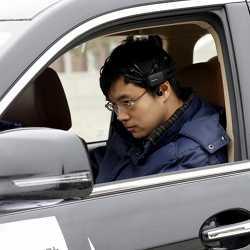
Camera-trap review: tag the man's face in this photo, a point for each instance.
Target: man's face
(147, 112)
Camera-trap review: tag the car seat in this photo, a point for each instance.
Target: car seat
(41, 104)
(205, 79)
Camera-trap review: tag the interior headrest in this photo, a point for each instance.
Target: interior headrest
(205, 79)
(41, 104)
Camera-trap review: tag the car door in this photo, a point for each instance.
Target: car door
(180, 210)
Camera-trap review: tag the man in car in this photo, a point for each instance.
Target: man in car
(157, 125)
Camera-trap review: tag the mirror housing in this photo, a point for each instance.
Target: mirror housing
(43, 163)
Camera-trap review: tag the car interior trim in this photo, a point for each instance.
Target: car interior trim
(229, 125)
(94, 23)
(170, 179)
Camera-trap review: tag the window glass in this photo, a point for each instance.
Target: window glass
(204, 49)
(79, 70)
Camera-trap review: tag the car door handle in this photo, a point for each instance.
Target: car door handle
(221, 232)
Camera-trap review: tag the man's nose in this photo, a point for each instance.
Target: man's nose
(122, 115)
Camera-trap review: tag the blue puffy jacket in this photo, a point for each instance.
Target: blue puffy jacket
(196, 139)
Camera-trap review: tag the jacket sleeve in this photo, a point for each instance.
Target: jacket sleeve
(96, 156)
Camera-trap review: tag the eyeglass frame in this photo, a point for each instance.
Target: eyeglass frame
(126, 105)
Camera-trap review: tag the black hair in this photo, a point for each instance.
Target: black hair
(142, 62)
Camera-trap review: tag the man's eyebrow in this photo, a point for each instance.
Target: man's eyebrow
(124, 96)
(121, 97)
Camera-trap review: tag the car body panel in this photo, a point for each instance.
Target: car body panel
(144, 219)
(23, 10)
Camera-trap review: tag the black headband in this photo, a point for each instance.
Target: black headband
(160, 77)
(136, 75)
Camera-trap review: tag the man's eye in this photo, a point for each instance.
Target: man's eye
(126, 102)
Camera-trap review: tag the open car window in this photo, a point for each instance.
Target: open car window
(79, 71)
(202, 69)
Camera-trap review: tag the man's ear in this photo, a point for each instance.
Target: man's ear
(164, 90)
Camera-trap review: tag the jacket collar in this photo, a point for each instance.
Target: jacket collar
(165, 133)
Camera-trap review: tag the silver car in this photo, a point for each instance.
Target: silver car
(53, 116)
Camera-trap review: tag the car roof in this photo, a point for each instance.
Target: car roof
(27, 9)
(23, 10)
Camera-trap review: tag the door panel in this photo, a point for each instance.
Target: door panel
(167, 216)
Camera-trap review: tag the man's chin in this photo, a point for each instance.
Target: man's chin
(138, 135)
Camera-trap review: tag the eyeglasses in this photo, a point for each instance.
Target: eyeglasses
(125, 104)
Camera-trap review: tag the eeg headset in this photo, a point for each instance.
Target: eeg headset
(136, 75)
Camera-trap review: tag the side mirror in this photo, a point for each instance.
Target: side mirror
(43, 164)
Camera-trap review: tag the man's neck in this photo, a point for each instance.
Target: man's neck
(172, 105)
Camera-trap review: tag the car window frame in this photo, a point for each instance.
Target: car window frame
(168, 179)
(97, 27)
